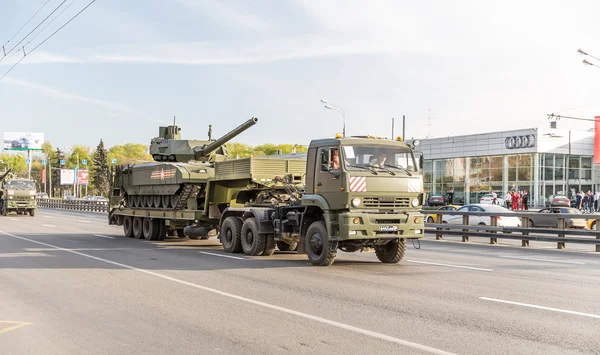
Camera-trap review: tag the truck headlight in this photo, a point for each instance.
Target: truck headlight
(415, 202)
(356, 202)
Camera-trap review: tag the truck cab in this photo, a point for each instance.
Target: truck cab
(18, 195)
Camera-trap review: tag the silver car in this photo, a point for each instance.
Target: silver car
(548, 217)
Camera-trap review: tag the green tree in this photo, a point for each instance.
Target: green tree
(129, 153)
(16, 161)
(100, 177)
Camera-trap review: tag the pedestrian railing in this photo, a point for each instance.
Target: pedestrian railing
(526, 233)
(77, 205)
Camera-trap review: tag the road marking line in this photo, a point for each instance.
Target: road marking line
(47, 217)
(12, 219)
(449, 265)
(16, 326)
(251, 301)
(80, 221)
(222, 255)
(103, 236)
(545, 260)
(541, 307)
(47, 225)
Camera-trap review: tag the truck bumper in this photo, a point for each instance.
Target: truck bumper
(19, 206)
(357, 225)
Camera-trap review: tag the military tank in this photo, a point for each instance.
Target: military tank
(177, 178)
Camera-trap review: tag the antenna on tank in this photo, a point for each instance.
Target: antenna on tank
(173, 120)
(209, 132)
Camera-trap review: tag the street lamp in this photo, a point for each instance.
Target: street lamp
(585, 61)
(339, 109)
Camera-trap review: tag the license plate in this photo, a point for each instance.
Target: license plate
(388, 228)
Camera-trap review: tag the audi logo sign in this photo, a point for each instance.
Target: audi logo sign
(516, 142)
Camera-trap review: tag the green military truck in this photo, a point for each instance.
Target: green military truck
(17, 195)
(359, 193)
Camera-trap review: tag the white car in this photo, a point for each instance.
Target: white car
(483, 220)
(489, 199)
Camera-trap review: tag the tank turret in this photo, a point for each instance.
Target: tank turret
(169, 147)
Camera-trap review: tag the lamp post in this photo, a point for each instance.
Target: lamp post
(75, 183)
(336, 108)
(585, 61)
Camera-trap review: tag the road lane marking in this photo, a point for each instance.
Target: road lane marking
(47, 225)
(449, 265)
(16, 325)
(254, 302)
(47, 217)
(223, 255)
(12, 219)
(544, 260)
(80, 221)
(541, 307)
(103, 236)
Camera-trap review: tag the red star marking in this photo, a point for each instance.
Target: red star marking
(162, 174)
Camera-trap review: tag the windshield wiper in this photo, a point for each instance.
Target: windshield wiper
(363, 167)
(399, 167)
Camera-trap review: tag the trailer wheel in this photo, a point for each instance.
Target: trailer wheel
(253, 243)
(137, 228)
(320, 250)
(128, 226)
(162, 230)
(269, 245)
(230, 234)
(150, 229)
(392, 252)
(283, 246)
(32, 213)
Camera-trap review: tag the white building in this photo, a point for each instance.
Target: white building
(543, 161)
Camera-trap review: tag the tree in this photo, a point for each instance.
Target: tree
(100, 177)
(129, 153)
(16, 161)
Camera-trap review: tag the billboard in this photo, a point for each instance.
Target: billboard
(83, 177)
(23, 141)
(67, 176)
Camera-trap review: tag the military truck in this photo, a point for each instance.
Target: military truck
(360, 193)
(17, 195)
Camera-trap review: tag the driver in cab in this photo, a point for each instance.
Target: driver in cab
(379, 161)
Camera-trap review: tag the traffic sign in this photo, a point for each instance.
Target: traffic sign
(76, 174)
(44, 162)
(62, 162)
(84, 162)
(28, 161)
(114, 161)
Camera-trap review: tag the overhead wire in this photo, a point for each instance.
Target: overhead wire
(16, 33)
(44, 20)
(47, 38)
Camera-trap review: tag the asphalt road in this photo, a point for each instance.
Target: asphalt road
(71, 284)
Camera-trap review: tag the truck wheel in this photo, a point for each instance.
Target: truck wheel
(320, 250)
(150, 228)
(283, 246)
(137, 228)
(231, 231)
(32, 213)
(269, 245)
(392, 252)
(162, 230)
(128, 226)
(253, 243)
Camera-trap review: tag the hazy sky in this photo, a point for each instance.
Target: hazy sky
(122, 68)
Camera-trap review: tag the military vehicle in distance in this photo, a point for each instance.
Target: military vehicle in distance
(17, 195)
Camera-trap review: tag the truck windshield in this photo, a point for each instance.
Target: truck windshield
(359, 157)
(21, 184)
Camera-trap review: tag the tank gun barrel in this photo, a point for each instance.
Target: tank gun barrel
(209, 148)
(2, 176)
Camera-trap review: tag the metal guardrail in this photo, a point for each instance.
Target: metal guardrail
(76, 205)
(494, 232)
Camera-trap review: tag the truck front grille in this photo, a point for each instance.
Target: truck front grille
(378, 202)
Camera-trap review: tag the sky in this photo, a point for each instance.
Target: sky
(123, 68)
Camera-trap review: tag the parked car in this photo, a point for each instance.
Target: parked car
(431, 218)
(99, 198)
(436, 200)
(548, 217)
(591, 223)
(41, 195)
(559, 200)
(484, 220)
(489, 199)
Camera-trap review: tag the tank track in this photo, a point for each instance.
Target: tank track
(188, 191)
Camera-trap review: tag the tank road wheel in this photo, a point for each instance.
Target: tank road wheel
(283, 246)
(253, 243)
(269, 245)
(128, 226)
(173, 199)
(139, 201)
(392, 252)
(320, 250)
(32, 213)
(150, 228)
(138, 231)
(230, 234)
(156, 201)
(165, 201)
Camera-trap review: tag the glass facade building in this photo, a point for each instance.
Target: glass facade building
(545, 162)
